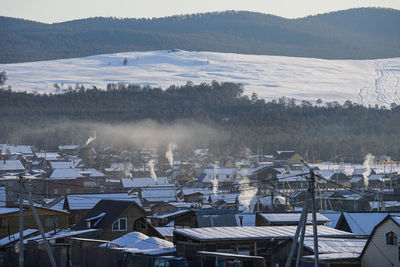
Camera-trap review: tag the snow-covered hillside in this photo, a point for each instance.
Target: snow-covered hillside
(363, 81)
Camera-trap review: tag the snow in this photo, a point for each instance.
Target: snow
(5, 210)
(364, 222)
(142, 182)
(291, 217)
(259, 232)
(74, 173)
(62, 164)
(48, 155)
(136, 242)
(60, 233)
(166, 231)
(88, 201)
(4, 149)
(333, 217)
(179, 212)
(11, 165)
(335, 245)
(14, 237)
(362, 81)
(159, 193)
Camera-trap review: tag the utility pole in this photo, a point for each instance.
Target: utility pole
(303, 222)
(39, 224)
(21, 223)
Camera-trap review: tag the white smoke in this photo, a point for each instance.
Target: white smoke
(368, 161)
(91, 139)
(150, 164)
(247, 192)
(170, 153)
(214, 181)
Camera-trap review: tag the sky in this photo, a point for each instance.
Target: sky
(50, 11)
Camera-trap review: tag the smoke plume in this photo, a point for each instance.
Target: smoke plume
(247, 192)
(150, 164)
(214, 181)
(91, 139)
(368, 161)
(170, 153)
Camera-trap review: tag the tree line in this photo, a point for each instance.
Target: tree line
(327, 131)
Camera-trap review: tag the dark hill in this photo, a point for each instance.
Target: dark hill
(351, 34)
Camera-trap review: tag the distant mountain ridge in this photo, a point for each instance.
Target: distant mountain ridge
(363, 33)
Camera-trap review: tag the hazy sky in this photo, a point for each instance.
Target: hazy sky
(62, 10)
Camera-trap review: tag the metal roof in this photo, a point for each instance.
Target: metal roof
(255, 233)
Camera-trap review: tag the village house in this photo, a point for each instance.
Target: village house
(49, 218)
(79, 204)
(116, 218)
(382, 248)
(271, 242)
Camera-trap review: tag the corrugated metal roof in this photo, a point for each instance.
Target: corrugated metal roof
(291, 217)
(255, 233)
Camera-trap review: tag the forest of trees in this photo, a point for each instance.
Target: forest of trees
(325, 131)
(362, 33)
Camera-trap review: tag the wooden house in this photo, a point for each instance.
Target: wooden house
(116, 218)
(49, 218)
(382, 248)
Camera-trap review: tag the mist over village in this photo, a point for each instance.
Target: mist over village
(240, 134)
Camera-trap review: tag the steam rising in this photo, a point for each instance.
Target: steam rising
(214, 181)
(247, 192)
(368, 161)
(150, 164)
(170, 153)
(91, 139)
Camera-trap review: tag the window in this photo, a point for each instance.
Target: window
(68, 191)
(391, 239)
(120, 225)
(3, 222)
(140, 225)
(55, 191)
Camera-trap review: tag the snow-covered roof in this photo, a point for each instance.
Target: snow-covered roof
(284, 218)
(6, 210)
(362, 223)
(172, 214)
(4, 149)
(60, 233)
(11, 165)
(139, 243)
(341, 256)
(255, 233)
(333, 217)
(68, 147)
(47, 155)
(15, 237)
(62, 164)
(167, 231)
(75, 173)
(142, 182)
(88, 201)
(158, 193)
(336, 245)
(65, 174)
(386, 204)
(248, 219)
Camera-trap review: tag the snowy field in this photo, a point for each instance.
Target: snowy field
(362, 81)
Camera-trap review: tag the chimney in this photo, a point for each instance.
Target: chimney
(241, 220)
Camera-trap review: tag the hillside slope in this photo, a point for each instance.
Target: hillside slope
(364, 33)
(367, 82)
